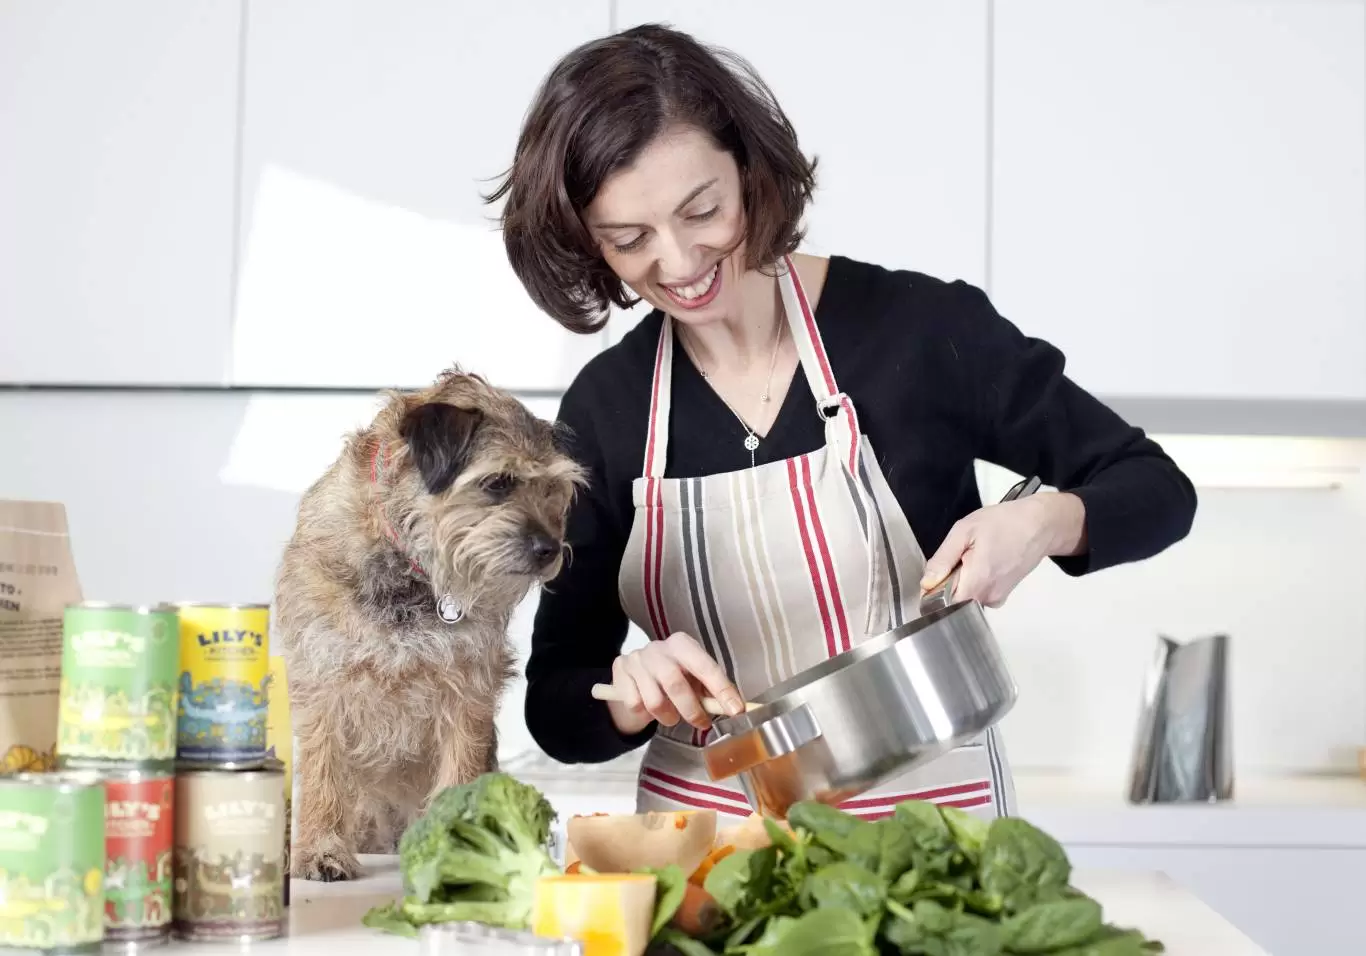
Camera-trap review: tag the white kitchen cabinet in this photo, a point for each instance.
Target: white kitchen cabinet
(1179, 196)
(117, 138)
(892, 98)
(371, 128)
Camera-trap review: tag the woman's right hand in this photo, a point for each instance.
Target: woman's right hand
(665, 681)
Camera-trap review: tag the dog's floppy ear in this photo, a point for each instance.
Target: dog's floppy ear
(439, 436)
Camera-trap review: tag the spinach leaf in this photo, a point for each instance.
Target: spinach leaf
(933, 851)
(845, 885)
(728, 879)
(1021, 864)
(969, 831)
(1045, 927)
(1113, 941)
(929, 929)
(821, 821)
(821, 932)
(779, 836)
(671, 886)
(672, 941)
(903, 890)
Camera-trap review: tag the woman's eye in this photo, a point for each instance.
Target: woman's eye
(631, 246)
(499, 484)
(704, 216)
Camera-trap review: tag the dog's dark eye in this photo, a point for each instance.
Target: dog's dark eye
(499, 485)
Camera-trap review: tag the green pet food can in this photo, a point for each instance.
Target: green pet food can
(120, 668)
(51, 863)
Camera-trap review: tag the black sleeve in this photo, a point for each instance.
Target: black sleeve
(579, 627)
(1034, 420)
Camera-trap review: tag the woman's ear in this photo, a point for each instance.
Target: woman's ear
(440, 438)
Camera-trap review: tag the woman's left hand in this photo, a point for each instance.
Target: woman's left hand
(1000, 544)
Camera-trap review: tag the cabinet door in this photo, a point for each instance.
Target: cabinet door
(891, 98)
(1180, 193)
(117, 143)
(371, 129)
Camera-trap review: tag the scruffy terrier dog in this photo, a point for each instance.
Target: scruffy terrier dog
(393, 601)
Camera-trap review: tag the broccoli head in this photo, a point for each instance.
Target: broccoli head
(476, 854)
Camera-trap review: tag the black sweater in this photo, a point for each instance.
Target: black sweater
(937, 377)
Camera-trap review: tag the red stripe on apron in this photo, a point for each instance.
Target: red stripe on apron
(648, 569)
(959, 804)
(835, 598)
(691, 800)
(976, 788)
(811, 565)
(673, 780)
(809, 321)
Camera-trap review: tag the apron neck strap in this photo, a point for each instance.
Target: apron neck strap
(832, 405)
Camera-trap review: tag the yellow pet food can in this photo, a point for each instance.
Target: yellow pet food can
(280, 745)
(224, 684)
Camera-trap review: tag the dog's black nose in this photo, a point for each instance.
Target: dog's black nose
(544, 549)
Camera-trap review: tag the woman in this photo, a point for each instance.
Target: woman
(751, 520)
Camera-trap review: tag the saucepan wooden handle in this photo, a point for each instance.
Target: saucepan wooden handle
(709, 704)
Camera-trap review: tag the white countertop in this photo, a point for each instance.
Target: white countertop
(1266, 811)
(324, 918)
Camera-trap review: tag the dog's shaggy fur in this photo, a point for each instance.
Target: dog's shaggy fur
(455, 490)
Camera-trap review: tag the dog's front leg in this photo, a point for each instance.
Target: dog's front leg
(326, 848)
(468, 751)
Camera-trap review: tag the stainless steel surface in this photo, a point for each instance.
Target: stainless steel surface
(941, 597)
(895, 702)
(1183, 750)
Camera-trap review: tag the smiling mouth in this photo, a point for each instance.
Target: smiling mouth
(698, 293)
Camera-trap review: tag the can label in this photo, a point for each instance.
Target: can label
(139, 824)
(229, 854)
(118, 685)
(51, 865)
(224, 678)
(280, 746)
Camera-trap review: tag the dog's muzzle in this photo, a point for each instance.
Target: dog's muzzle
(542, 550)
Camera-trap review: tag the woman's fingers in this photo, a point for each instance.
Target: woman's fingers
(679, 690)
(652, 695)
(701, 665)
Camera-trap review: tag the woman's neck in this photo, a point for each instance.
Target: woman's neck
(735, 344)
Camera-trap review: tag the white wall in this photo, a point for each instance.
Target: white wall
(285, 194)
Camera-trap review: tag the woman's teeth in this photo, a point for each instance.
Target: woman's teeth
(697, 289)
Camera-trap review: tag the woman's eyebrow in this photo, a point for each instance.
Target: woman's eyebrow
(697, 191)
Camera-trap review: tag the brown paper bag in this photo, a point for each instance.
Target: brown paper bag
(37, 580)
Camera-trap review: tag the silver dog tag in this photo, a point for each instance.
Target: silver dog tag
(449, 609)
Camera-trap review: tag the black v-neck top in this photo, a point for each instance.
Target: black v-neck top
(938, 379)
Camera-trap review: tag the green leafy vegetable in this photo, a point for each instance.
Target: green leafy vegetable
(671, 885)
(476, 854)
(1021, 864)
(1045, 927)
(845, 886)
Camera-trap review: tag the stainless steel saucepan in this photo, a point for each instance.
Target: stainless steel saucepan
(896, 701)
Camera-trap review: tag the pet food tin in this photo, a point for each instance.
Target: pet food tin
(139, 826)
(117, 700)
(224, 678)
(229, 854)
(280, 746)
(51, 862)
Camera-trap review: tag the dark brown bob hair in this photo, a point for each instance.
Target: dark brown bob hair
(594, 114)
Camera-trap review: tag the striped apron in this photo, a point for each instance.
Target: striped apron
(774, 569)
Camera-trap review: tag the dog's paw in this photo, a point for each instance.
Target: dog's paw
(324, 866)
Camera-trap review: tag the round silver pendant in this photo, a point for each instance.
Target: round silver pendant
(751, 443)
(449, 609)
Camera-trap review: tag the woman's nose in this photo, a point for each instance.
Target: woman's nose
(678, 260)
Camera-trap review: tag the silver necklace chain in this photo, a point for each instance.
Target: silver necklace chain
(751, 439)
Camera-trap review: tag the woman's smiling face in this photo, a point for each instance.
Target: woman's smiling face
(671, 226)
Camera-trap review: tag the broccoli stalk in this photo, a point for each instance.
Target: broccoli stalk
(476, 854)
